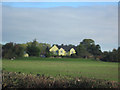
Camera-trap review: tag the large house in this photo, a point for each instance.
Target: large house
(62, 50)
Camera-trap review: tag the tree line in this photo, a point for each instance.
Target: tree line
(13, 50)
(86, 49)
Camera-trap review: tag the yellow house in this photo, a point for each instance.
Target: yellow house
(62, 50)
(26, 55)
(72, 51)
(54, 49)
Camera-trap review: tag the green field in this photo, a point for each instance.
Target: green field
(70, 67)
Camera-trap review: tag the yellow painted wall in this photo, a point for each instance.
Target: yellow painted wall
(54, 49)
(72, 51)
(62, 52)
(68, 53)
(26, 55)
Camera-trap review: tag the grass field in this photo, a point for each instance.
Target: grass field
(71, 67)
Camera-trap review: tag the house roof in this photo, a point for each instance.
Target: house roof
(65, 47)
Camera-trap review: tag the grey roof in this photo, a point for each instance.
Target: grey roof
(65, 47)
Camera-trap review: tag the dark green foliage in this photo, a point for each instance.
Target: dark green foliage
(33, 49)
(19, 50)
(88, 49)
(19, 80)
(47, 52)
(94, 50)
(87, 42)
(7, 50)
(43, 47)
(82, 51)
(12, 50)
(111, 56)
(0, 51)
(118, 54)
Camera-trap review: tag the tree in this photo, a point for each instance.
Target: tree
(11, 50)
(0, 51)
(47, 54)
(42, 47)
(18, 50)
(24, 45)
(70, 45)
(118, 54)
(111, 56)
(91, 48)
(7, 50)
(94, 50)
(87, 42)
(33, 48)
(81, 51)
(115, 55)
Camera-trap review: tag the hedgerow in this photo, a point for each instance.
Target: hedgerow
(21, 80)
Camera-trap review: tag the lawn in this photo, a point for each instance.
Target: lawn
(70, 67)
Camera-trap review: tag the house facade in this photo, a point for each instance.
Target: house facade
(54, 50)
(62, 50)
(26, 55)
(72, 51)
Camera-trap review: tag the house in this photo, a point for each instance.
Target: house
(63, 50)
(54, 49)
(72, 51)
(26, 55)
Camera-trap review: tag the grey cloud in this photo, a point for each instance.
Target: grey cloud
(65, 25)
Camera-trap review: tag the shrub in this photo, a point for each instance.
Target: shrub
(21, 80)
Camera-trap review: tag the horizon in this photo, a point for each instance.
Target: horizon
(56, 44)
(61, 23)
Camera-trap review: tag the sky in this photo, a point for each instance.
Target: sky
(61, 23)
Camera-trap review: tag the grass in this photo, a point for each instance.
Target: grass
(62, 67)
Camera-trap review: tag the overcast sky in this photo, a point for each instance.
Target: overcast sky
(61, 23)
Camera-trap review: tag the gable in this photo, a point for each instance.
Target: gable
(61, 49)
(62, 52)
(72, 51)
(65, 47)
(54, 49)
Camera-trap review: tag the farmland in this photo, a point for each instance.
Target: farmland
(64, 67)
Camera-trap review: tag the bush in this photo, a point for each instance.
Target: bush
(20, 80)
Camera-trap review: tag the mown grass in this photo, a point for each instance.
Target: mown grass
(63, 67)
